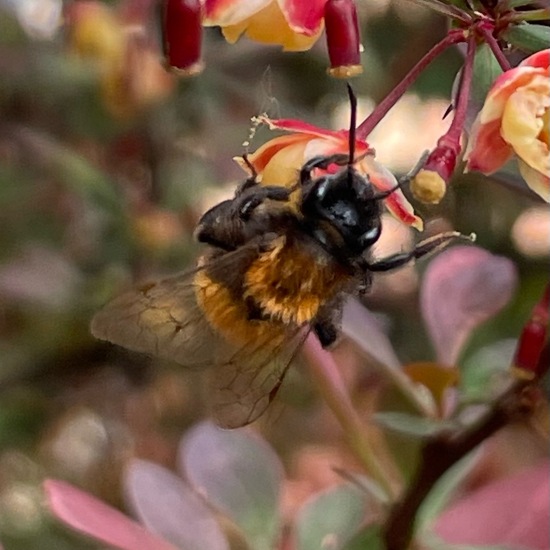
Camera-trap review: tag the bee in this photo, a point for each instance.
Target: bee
(278, 263)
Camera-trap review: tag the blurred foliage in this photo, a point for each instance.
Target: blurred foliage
(91, 202)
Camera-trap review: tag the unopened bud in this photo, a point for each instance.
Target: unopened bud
(527, 358)
(182, 35)
(430, 184)
(343, 38)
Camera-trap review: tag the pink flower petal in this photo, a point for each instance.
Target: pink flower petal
(513, 511)
(299, 126)
(231, 12)
(303, 17)
(92, 517)
(487, 151)
(540, 59)
(504, 86)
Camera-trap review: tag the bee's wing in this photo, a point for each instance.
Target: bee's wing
(245, 383)
(164, 319)
(161, 319)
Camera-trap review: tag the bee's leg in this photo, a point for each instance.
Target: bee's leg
(249, 182)
(326, 324)
(321, 162)
(423, 248)
(248, 203)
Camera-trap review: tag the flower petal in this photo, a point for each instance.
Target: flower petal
(92, 517)
(269, 26)
(523, 122)
(539, 59)
(303, 17)
(486, 151)
(505, 85)
(230, 12)
(537, 181)
(384, 180)
(299, 126)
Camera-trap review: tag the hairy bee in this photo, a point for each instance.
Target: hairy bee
(278, 262)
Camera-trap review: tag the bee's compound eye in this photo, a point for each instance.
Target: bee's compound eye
(370, 237)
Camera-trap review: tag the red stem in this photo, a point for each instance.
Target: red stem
(454, 36)
(486, 30)
(455, 129)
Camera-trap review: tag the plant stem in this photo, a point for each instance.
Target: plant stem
(454, 36)
(329, 382)
(442, 452)
(457, 125)
(486, 30)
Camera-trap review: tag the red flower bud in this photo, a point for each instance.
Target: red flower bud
(343, 38)
(527, 359)
(430, 184)
(182, 35)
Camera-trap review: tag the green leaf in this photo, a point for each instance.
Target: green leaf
(240, 475)
(330, 519)
(414, 426)
(486, 70)
(528, 37)
(444, 9)
(370, 538)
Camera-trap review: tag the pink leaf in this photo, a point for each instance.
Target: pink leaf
(168, 506)
(462, 288)
(92, 517)
(513, 511)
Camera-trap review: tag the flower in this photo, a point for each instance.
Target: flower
(292, 24)
(515, 121)
(278, 161)
(131, 76)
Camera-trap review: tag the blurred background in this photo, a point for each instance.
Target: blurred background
(103, 175)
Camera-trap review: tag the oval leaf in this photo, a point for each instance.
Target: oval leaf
(96, 519)
(330, 519)
(512, 511)
(239, 474)
(528, 37)
(169, 507)
(462, 288)
(413, 426)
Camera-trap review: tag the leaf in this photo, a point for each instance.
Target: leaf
(169, 507)
(528, 37)
(414, 426)
(463, 287)
(240, 475)
(369, 538)
(330, 519)
(364, 328)
(444, 9)
(96, 519)
(485, 72)
(512, 511)
(486, 373)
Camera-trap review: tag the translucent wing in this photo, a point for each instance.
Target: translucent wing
(164, 319)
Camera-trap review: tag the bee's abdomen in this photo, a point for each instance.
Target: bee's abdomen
(292, 280)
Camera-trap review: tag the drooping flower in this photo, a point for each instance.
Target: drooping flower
(116, 43)
(514, 121)
(293, 24)
(279, 160)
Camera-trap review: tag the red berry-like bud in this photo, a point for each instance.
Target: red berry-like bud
(343, 38)
(527, 359)
(430, 184)
(182, 35)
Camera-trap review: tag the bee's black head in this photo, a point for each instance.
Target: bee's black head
(342, 210)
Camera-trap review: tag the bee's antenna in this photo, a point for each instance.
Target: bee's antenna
(352, 124)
